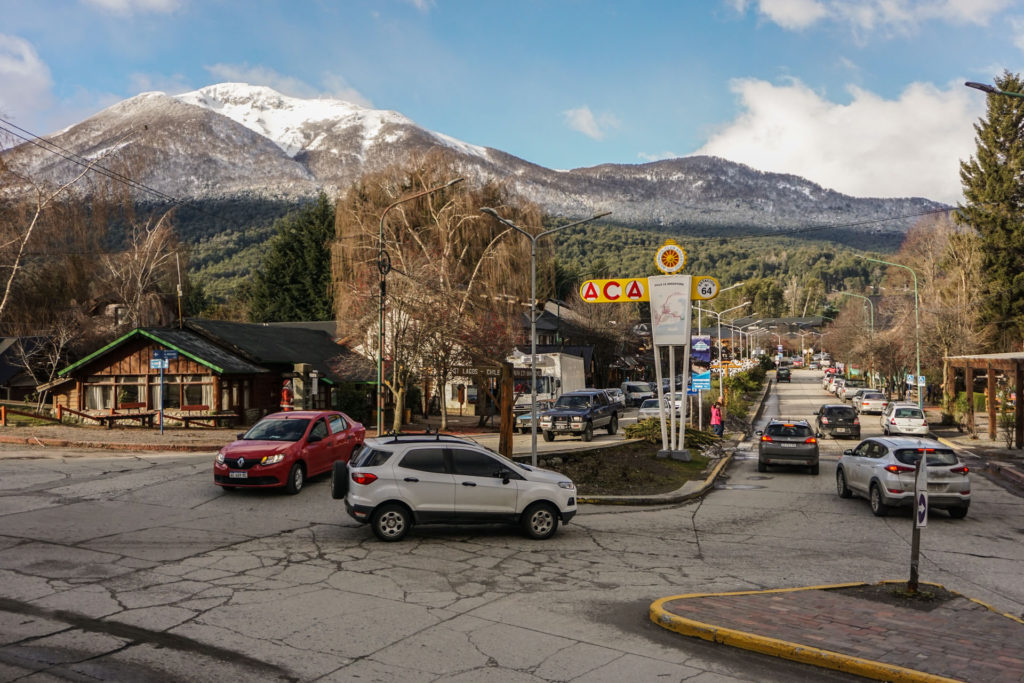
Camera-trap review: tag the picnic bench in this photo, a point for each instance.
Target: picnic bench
(204, 419)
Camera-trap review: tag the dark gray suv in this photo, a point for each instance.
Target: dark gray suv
(787, 442)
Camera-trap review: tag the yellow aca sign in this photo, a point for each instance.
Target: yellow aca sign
(627, 290)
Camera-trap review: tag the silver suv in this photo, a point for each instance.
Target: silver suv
(397, 481)
(882, 469)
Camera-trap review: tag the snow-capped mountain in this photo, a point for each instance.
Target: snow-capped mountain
(236, 140)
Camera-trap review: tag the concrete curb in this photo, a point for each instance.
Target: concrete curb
(689, 490)
(784, 649)
(115, 446)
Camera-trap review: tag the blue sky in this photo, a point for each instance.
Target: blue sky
(863, 96)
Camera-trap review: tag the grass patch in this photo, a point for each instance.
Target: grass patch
(631, 468)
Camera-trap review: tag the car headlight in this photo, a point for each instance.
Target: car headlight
(577, 419)
(272, 459)
(567, 485)
(220, 458)
(545, 421)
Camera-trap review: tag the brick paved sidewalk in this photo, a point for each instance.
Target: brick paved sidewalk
(960, 639)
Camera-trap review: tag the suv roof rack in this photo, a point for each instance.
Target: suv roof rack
(426, 435)
(788, 420)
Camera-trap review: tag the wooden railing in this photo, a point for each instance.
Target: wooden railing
(5, 411)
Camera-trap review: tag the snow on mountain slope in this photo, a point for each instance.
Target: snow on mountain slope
(303, 125)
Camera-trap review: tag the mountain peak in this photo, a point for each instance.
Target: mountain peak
(294, 124)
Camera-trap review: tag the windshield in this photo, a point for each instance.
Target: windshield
(572, 402)
(841, 411)
(649, 403)
(638, 387)
(874, 397)
(277, 430)
(910, 413)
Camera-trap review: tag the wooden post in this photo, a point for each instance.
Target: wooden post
(3, 416)
(993, 423)
(969, 389)
(507, 418)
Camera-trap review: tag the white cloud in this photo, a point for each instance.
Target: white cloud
(334, 85)
(582, 120)
(25, 81)
(133, 6)
(871, 147)
(868, 15)
(793, 14)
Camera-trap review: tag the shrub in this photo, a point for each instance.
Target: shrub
(650, 430)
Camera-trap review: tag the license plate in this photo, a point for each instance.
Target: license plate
(787, 445)
(239, 475)
(841, 430)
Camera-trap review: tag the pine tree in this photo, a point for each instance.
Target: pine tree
(294, 280)
(994, 194)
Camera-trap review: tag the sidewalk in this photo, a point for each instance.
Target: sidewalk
(846, 628)
(991, 456)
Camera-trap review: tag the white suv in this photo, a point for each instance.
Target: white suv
(396, 481)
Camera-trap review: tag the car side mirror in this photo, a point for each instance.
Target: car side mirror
(848, 451)
(819, 435)
(505, 476)
(241, 435)
(758, 432)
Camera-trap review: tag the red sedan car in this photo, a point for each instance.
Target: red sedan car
(285, 449)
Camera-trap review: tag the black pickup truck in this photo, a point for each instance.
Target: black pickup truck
(579, 413)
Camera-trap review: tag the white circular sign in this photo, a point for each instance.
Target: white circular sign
(706, 288)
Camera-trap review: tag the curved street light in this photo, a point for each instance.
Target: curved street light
(917, 327)
(383, 268)
(992, 90)
(870, 303)
(533, 311)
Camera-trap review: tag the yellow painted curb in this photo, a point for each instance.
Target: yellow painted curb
(785, 649)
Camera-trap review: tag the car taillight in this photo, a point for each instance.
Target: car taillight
(824, 420)
(363, 477)
(856, 420)
(765, 437)
(892, 420)
(963, 469)
(896, 469)
(811, 439)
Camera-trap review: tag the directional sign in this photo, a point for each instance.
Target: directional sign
(167, 354)
(921, 492)
(922, 509)
(159, 364)
(623, 290)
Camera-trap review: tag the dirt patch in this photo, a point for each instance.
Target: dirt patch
(926, 598)
(632, 468)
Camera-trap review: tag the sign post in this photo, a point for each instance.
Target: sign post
(920, 517)
(162, 359)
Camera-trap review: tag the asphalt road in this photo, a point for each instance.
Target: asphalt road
(136, 566)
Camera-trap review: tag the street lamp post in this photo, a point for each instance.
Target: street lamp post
(917, 326)
(750, 345)
(992, 90)
(533, 311)
(718, 315)
(384, 267)
(871, 304)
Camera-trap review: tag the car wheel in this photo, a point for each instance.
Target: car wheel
(613, 426)
(959, 512)
(588, 432)
(549, 436)
(878, 506)
(841, 488)
(814, 469)
(391, 522)
(761, 467)
(296, 479)
(339, 480)
(540, 521)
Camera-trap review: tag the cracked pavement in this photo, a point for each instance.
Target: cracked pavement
(135, 566)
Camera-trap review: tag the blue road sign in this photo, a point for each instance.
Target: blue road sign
(166, 354)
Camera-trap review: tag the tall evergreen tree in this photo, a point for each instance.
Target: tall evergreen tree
(294, 280)
(994, 194)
